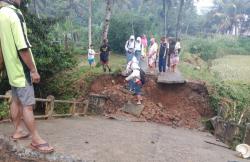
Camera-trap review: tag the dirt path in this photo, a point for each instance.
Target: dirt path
(103, 140)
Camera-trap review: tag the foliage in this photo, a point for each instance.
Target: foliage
(234, 100)
(118, 37)
(216, 46)
(75, 83)
(50, 57)
(228, 94)
(228, 17)
(4, 110)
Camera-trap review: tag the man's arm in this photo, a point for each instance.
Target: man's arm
(1, 59)
(27, 59)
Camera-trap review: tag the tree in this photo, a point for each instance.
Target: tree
(90, 22)
(109, 4)
(179, 19)
(229, 16)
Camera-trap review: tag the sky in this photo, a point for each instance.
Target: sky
(203, 5)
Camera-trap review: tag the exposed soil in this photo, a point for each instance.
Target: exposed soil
(180, 105)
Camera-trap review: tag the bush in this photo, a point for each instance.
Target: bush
(234, 98)
(4, 110)
(216, 46)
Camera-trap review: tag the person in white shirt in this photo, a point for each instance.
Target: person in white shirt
(91, 56)
(138, 49)
(135, 79)
(152, 54)
(130, 48)
(178, 46)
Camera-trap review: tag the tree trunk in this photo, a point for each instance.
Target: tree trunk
(165, 17)
(179, 18)
(66, 46)
(107, 19)
(187, 29)
(167, 13)
(90, 22)
(36, 9)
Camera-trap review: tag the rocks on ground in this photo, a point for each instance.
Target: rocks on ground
(179, 105)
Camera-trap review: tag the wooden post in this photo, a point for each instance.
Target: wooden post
(247, 134)
(9, 100)
(50, 106)
(73, 108)
(86, 102)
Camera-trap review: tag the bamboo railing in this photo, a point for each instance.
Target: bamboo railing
(50, 102)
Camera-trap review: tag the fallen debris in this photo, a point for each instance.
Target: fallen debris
(133, 109)
(182, 105)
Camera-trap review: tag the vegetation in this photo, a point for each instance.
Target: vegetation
(216, 46)
(59, 30)
(225, 77)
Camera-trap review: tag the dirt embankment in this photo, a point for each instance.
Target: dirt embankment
(181, 105)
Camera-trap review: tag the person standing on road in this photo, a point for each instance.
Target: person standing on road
(22, 73)
(138, 50)
(163, 55)
(173, 54)
(178, 46)
(130, 48)
(152, 54)
(144, 42)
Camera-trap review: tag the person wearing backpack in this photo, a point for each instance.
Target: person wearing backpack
(22, 73)
(130, 48)
(129, 71)
(135, 79)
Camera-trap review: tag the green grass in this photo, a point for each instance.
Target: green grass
(228, 83)
(233, 68)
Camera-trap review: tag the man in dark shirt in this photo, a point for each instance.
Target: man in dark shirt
(104, 55)
(163, 54)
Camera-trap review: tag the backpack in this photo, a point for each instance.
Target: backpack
(128, 44)
(143, 76)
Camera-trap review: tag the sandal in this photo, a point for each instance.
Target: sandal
(20, 138)
(39, 146)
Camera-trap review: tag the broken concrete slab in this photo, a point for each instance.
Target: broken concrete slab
(225, 131)
(96, 103)
(123, 117)
(171, 78)
(14, 151)
(133, 109)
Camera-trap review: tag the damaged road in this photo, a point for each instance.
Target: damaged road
(104, 140)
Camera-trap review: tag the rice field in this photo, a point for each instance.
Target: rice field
(232, 68)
